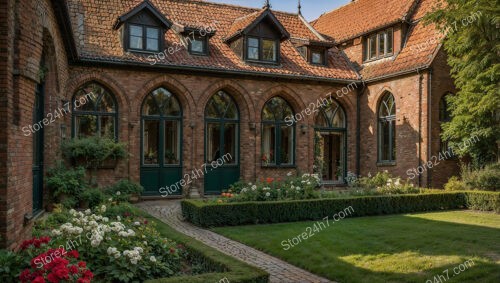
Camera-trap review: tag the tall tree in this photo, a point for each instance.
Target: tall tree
(471, 41)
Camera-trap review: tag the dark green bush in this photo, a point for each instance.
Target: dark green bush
(486, 179)
(94, 196)
(124, 189)
(66, 181)
(10, 266)
(93, 150)
(209, 214)
(484, 201)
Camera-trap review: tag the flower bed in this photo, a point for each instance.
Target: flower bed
(209, 214)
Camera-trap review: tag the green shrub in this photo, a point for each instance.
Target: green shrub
(10, 266)
(66, 181)
(454, 184)
(93, 150)
(486, 179)
(209, 214)
(124, 189)
(484, 201)
(94, 196)
(380, 179)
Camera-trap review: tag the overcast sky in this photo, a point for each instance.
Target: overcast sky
(311, 9)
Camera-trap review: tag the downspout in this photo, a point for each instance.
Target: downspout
(429, 126)
(419, 138)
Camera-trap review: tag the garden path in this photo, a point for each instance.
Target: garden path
(169, 212)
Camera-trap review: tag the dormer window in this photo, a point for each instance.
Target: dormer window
(318, 57)
(262, 49)
(143, 28)
(379, 45)
(198, 45)
(256, 37)
(144, 38)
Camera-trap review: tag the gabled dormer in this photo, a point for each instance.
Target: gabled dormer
(143, 28)
(256, 37)
(314, 51)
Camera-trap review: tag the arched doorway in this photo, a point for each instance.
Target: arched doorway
(330, 144)
(222, 143)
(161, 146)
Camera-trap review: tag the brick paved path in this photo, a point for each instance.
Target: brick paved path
(170, 213)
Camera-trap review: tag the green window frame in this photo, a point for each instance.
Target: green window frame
(161, 108)
(387, 129)
(277, 135)
(444, 117)
(95, 112)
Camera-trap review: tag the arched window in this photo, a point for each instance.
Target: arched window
(387, 129)
(222, 129)
(444, 116)
(278, 136)
(94, 112)
(161, 129)
(330, 140)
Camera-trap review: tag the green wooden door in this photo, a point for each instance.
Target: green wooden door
(38, 113)
(161, 147)
(221, 143)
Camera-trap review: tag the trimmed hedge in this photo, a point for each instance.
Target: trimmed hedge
(220, 265)
(206, 214)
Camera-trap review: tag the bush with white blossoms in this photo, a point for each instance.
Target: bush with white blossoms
(119, 250)
(271, 189)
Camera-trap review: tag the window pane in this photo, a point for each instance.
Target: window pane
(106, 104)
(172, 142)
(84, 100)
(152, 33)
(316, 58)
(384, 126)
(230, 139)
(389, 41)
(268, 142)
(268, 50)
(372, 46)
(221, 105)
(197, 46)
(150, 106)
(168, 104)
(136, 30)
(151, 134)
(381, 44)
(135, 42)
(213, 142)
(286, 145)
(393, 139)
(86, 125)
(152, 44)
(108, 127)
(253, 48)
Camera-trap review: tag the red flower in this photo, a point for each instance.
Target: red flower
(83, 280)
(38, 279)
(88, 274)
(269, 180)
(53, 278)
(73, 254)
(73, 269)
(172, 250)
(146, 222)
(82, 264)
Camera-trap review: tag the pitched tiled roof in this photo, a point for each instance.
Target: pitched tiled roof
(361, 16)
(92, 24)
(422, 41)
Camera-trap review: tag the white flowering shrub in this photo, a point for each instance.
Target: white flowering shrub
(268, 189)
(119, 250)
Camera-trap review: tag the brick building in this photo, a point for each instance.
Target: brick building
(188, 83)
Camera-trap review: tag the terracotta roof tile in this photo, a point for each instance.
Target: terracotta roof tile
(422, 41)
(92, 24)
(361, 16)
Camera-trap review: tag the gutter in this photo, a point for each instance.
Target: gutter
(397, 74)
(191, 69)
(420, 77)
(429, 126)
(358, 130)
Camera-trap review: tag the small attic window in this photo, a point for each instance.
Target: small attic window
(198, 45)
(318, 57)
(144, 38)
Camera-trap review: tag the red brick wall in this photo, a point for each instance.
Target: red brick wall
(130, 87)
(441, 84)
(32, 31)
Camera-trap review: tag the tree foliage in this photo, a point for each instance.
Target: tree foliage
(472, 45)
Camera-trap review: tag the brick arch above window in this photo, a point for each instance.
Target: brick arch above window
(291, 97)
(237, 92)
(114, 87)
(176, 87)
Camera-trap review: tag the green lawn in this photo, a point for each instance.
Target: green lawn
(395, 248)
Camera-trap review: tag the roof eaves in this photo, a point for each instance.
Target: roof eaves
(144, 5)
